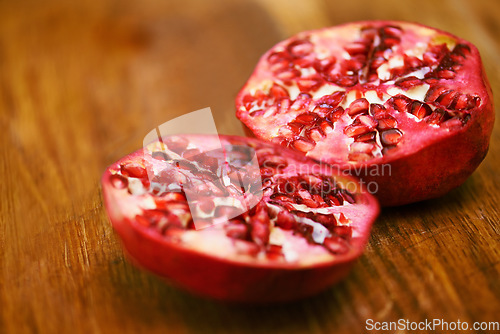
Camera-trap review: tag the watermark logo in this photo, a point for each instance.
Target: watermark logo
(220, 180)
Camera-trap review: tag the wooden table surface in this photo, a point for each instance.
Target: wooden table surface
(81, 83)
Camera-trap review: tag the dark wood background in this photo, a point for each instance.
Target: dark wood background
(82, 82)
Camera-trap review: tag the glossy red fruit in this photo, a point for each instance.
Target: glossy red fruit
(406, 107)
(306, 225)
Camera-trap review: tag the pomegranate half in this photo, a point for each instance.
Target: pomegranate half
(180, 211)
(405, 107)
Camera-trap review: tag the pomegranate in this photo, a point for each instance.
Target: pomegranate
(179, 215)
(405, 107)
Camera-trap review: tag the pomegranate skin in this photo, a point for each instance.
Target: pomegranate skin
(230, 278)
(429, 161)
(227, 281)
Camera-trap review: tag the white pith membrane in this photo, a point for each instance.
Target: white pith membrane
(161, 208)
(315, 73)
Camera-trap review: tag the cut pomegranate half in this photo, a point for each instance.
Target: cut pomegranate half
(406, 107)
(305, 227)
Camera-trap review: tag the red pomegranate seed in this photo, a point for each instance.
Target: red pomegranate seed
(343, 231)
(335, 114)
(367, 137)
(377, 110)
(332, 100)
(391, 137)
(278, 92)
(206, 205)
(367, 120)
(306, 118)
(237, 230)
(315, 134)
(388, 122)
(285, 220)
(359, 106)
(400, 103)
(336, 245)
(446, 99)
(420, 110)
(408, 82)
(260, 232)
(290, 130)
(133, 169)
(303, 144)
(437, 116)
(300, 48)
(356, 130)
(118, 181)
(309, 84)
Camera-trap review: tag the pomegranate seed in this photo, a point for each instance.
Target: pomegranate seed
(311, 83)
(282, 197)
(391, 137)
(237, 230)
(278, 92)
(118, 181)
(446, 74)
(356, 130)
(370, 136)
(332, 100)
(283, 105)
(324, 65)
(345, 80)
(288, 74)
(301, 102)
(326, 126)
(400, 103)
(345, 232)
(412, 62)
(388, 122)
(325, 220)
(335, 114)
(357, 48)
(462, 50)
(447, 98)
(306, 118)
(420, 110)
(274, 252)
(206, 205)
(433, 93)
(334, 199)
(303, 145)
(176, 144)
(368, 121)
(376, 110)
(358, 106)
(260, 232)
(315, 134)
(285, 220)
(347, 196)
(408, 82)
(336, 245)
(133, 169)
(291, 130)
(437, 116)
(300, 48)
(257, 113)
(277, 57)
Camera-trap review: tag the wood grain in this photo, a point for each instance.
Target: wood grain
(82, 83)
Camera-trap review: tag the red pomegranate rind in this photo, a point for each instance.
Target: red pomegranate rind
(404, 106)
(302, 236)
